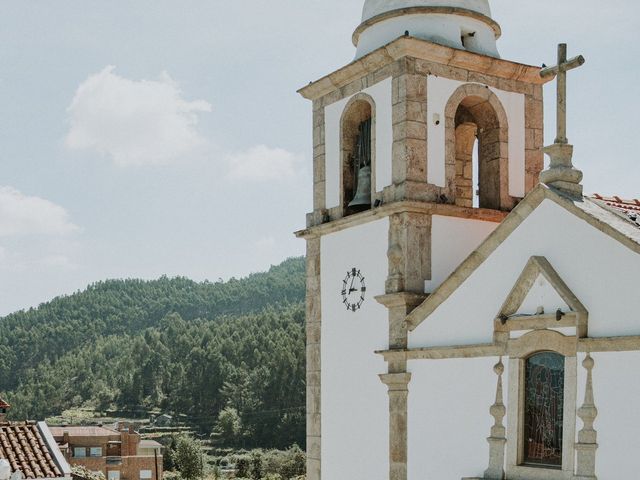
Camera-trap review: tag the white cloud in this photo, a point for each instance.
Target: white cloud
(261, 163)
(134, 122)
(26, 215)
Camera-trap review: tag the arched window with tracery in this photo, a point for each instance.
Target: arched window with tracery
(543, 409)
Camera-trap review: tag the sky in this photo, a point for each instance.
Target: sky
(142, 138)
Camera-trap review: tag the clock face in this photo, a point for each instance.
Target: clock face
(353, 290)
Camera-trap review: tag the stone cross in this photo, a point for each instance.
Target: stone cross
(561, 70)
(561, 174)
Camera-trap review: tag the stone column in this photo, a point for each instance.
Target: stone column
(397, 384)
(587, 437)
(497, 440)
(313, 319)
(397, 380)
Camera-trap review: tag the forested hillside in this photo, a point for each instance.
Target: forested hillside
(185, 347)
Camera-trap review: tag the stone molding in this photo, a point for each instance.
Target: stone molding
(425, 10)
(519, 350)
(423, 50)
(388, 209)
(595, 218)
(593, 345)
(507, 320)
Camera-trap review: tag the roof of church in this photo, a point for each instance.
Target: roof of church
(631, 208)
(606, 218)
(26, 449)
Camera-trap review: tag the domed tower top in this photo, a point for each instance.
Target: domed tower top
(462, 24)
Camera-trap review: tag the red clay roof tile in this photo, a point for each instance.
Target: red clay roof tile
(630, 207)
(22, 445)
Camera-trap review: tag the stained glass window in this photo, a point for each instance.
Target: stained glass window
(543, 408)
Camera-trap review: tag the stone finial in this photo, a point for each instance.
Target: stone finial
(587, 437)
(497, 440)
(561, 173)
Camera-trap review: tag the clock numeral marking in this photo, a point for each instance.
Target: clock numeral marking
(352, 283)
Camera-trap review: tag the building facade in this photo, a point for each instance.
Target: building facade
(452, 296)
(118, 454)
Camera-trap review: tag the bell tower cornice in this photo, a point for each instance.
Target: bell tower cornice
(423, 50)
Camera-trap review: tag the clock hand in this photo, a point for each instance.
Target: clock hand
(351, 286)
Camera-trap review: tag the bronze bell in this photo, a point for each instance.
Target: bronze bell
(362, 198)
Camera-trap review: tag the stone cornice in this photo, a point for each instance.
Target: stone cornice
(585, 345)
(463, 12)
(424, 50)
(388, 209)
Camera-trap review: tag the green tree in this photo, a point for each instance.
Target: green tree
(188, 458)
(228, 430)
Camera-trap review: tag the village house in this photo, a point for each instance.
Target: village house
(28, 450)
(118, 454)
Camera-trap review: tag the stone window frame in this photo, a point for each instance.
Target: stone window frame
(483, 92)
(519, 350)
(344, 151)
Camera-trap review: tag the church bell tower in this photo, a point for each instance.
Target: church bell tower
(421, 146)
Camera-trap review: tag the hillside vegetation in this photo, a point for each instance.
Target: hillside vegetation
(228, 355)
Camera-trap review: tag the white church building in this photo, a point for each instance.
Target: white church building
(469, 314)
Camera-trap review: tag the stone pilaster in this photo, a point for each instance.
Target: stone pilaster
(398, 385)
(313, 325)
(497, 440)
(410, 134)
(397, 380)
(409, 252)
(587, 437)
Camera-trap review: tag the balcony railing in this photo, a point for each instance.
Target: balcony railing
(114, 460)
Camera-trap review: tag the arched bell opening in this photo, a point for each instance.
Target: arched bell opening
(477, 153)
(357, 146)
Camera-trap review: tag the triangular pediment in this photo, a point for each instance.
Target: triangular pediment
(596, 216)
(540, 290)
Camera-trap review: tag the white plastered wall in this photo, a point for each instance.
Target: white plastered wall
(354, 401)
(381, 94)
(439, 91)
(449, 420)
(616, 393)
(542, 296)
(452, 240)
(599, 270)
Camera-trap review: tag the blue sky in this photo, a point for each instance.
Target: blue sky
(148, 137)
